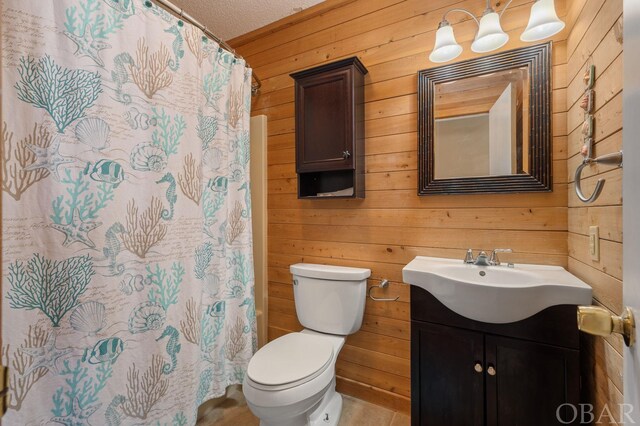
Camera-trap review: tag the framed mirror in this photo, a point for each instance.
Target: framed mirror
(485, 124)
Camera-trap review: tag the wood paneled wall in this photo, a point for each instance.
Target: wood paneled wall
(595, 38)
(392, 224)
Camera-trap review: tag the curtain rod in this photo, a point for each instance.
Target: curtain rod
(255, 87)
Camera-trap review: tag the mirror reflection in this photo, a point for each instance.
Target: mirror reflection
(481, 125)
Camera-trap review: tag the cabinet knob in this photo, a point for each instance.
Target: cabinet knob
(478, 367)
(346, 154)
(491, 370)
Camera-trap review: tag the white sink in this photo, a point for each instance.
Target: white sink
(496, 294)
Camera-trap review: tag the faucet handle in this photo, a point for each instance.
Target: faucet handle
(494, 260)
(468, 258)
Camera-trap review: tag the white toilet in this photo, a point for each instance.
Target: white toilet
(291, 381)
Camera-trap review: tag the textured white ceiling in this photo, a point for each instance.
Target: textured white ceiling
(230, 18)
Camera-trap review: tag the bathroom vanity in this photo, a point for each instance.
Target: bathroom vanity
(494, 365)
(466, 372)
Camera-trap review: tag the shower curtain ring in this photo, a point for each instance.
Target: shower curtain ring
(181, 13)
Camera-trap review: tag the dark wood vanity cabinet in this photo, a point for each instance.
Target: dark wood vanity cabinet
(330, 129)
(466, 372)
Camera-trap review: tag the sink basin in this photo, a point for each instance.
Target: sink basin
(496, 294)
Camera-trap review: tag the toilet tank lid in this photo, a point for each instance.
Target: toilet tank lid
(330, 272)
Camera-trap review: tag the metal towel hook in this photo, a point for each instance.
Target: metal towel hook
(613, 158)
(383, 284)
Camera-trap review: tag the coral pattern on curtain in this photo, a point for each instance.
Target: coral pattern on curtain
(127, 263)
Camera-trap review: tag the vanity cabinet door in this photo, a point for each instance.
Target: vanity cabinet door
(526, 382)
(447, 370)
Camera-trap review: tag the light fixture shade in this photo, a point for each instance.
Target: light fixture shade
(446, 47)
(490, 34)
(543, 21)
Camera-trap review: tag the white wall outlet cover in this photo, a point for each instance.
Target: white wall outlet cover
(594, 243)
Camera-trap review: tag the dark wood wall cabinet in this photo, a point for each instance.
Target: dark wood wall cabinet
(465, 372)
(330, 130)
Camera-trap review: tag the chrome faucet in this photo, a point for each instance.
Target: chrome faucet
(483, 259)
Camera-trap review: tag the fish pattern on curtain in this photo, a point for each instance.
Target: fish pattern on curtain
(127, 249)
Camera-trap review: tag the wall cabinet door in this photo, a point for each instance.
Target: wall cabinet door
(325, 132)
(527, 382)
(447, 376)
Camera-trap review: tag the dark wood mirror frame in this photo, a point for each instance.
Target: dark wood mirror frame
(537, 59)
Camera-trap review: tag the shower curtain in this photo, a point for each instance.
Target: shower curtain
(127, 263)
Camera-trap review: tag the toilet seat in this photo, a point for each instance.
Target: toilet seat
(290, 361)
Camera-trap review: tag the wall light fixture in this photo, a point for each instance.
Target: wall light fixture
(543, 23)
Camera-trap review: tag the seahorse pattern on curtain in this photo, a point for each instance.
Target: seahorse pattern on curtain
(127, 269)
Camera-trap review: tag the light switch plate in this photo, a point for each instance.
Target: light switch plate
(594, 243)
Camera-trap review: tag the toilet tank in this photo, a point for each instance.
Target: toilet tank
(329, 299)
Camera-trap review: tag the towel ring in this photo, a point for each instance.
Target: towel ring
(383, 284)
(613, 158)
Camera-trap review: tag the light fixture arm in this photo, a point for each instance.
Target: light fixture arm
(488, 9)
(504, 9)
(444, 17)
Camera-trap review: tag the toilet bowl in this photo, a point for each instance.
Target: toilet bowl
(291, 380)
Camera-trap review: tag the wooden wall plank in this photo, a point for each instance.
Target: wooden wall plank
(326, 14)
(401, 254)
(607, 16)
(610, 254)
(606, 289)
(383, 199)
(545, 218)
(607, 218)
(378, 378)
(364, 391)
(551, 242)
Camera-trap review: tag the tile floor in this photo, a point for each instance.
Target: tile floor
(232, 410)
